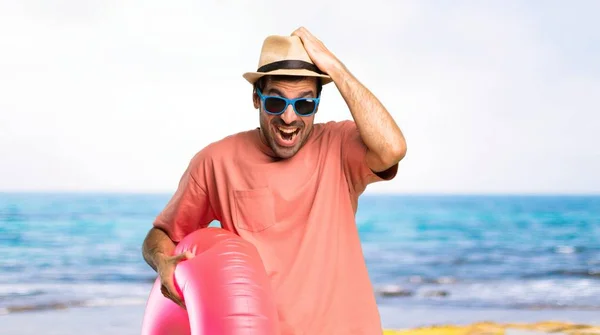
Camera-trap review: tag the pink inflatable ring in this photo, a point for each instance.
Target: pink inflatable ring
(225, 288)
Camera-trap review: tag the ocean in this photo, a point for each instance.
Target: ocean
(518, 252)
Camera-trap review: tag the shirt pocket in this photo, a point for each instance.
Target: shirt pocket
(254, 209)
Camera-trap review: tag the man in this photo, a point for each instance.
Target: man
(291, 188)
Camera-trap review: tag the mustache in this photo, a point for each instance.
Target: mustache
(280, 122)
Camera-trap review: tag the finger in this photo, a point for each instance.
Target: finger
(184, 255)
(171, 297)
(302, 29)
(170, 287)
(179, 302)
(306, 34)
(175, 300)
(165, 292)
(308, 39)
(191, 254)
(299, 32)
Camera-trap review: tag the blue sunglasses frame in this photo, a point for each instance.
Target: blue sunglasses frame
(287, 103)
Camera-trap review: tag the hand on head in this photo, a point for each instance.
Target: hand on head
(321, 56)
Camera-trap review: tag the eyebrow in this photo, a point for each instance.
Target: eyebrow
(301, 95)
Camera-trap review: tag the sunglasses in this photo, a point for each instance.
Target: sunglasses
(276, 105)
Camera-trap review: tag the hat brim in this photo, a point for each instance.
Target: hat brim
(252, 77)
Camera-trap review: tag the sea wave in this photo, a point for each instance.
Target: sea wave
(62, 295)
(585, 273)
(531, 293)
(37, 307)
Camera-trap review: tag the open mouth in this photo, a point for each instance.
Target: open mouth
(287, 136)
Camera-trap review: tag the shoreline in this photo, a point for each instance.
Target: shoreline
(127, 319)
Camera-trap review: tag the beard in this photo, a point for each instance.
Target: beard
(284, 145)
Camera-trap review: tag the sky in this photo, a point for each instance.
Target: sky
(117, 96)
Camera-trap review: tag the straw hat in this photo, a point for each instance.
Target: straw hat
(285, 55)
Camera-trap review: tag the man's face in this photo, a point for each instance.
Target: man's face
(286, 133)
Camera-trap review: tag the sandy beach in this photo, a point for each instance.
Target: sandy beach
(128, 319)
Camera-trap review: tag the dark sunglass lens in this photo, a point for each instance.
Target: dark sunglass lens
(305, 107)
(274, 105)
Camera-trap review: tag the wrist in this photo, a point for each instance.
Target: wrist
(160, 257)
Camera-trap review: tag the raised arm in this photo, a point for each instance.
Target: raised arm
(378, 130)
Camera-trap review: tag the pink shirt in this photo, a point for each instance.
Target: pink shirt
(300, 215)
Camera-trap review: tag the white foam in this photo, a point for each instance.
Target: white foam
(125, 301)
(570, 292)
(565, 249)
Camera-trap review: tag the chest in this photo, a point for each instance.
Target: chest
(264, 193)
(290, 180)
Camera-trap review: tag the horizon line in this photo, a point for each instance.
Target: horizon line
(366, 193)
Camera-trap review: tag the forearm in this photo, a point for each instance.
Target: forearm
(377, 128)
(157, 244)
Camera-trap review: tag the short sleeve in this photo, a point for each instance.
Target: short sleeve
(354, 151)
(189, 208)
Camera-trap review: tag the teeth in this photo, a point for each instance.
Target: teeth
(287, 131)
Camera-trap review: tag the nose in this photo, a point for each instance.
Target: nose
(289, 115)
